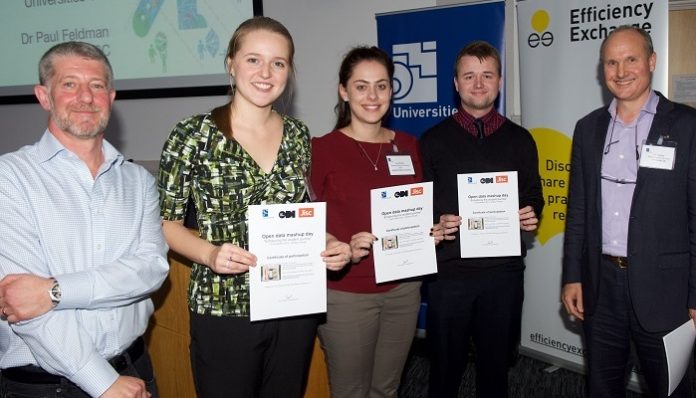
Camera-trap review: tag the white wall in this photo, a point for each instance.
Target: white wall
(323, 31)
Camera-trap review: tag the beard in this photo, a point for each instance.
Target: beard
(84, 130)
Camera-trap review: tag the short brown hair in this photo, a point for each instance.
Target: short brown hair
(73, 48)
(481, 50)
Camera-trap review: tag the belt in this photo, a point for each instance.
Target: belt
(621, 262)
(31, 374)
(133, 353)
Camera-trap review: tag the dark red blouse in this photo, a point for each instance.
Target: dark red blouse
(342, 175)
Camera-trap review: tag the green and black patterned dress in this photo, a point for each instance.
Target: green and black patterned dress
(198, 161)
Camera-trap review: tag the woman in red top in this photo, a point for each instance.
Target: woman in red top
(370, 326)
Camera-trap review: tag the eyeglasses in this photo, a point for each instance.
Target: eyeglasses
(607, 149)
(611, 142)
(617, 180)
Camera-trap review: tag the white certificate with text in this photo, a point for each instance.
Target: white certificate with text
(401, 220)
(290, 277)
(679, 345)
(489, 207)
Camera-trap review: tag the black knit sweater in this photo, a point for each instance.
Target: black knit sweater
(447, 150)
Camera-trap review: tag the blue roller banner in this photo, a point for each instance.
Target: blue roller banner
(424, 44)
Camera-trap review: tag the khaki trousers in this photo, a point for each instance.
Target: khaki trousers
(366, 339)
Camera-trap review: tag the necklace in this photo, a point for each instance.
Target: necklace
(379, 152)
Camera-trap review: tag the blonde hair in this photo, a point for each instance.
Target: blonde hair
(221, 114)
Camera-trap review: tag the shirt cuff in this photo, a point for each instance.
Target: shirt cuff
(75, 289)
(96, 376)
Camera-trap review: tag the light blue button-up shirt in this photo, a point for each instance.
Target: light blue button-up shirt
(619, 172)
(99, 237)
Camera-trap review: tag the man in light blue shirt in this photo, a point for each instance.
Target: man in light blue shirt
(82, 247)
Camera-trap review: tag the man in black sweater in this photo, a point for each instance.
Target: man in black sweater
(477, 298)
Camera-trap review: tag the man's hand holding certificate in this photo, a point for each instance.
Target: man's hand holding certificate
(401, 220)
(290, 276)
(488, 205)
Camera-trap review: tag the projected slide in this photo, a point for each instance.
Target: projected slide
(150, 43)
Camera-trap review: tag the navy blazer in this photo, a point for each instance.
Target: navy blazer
(662, 223)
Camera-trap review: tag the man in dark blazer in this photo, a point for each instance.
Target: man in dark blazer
(629, 267)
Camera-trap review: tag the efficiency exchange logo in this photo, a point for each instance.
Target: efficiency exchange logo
(540, 22)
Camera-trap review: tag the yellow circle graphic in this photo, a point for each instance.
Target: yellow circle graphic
(554, 166)
(540, 20)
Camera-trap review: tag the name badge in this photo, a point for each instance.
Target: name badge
(400, 165)
(658, 156)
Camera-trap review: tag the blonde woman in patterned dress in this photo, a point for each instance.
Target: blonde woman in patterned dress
(240, 154)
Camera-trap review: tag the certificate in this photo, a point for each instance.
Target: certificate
(679, 345)
(489, 206)
(290, 276)
(401, 220)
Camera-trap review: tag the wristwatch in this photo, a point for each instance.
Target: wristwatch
(54, 293)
